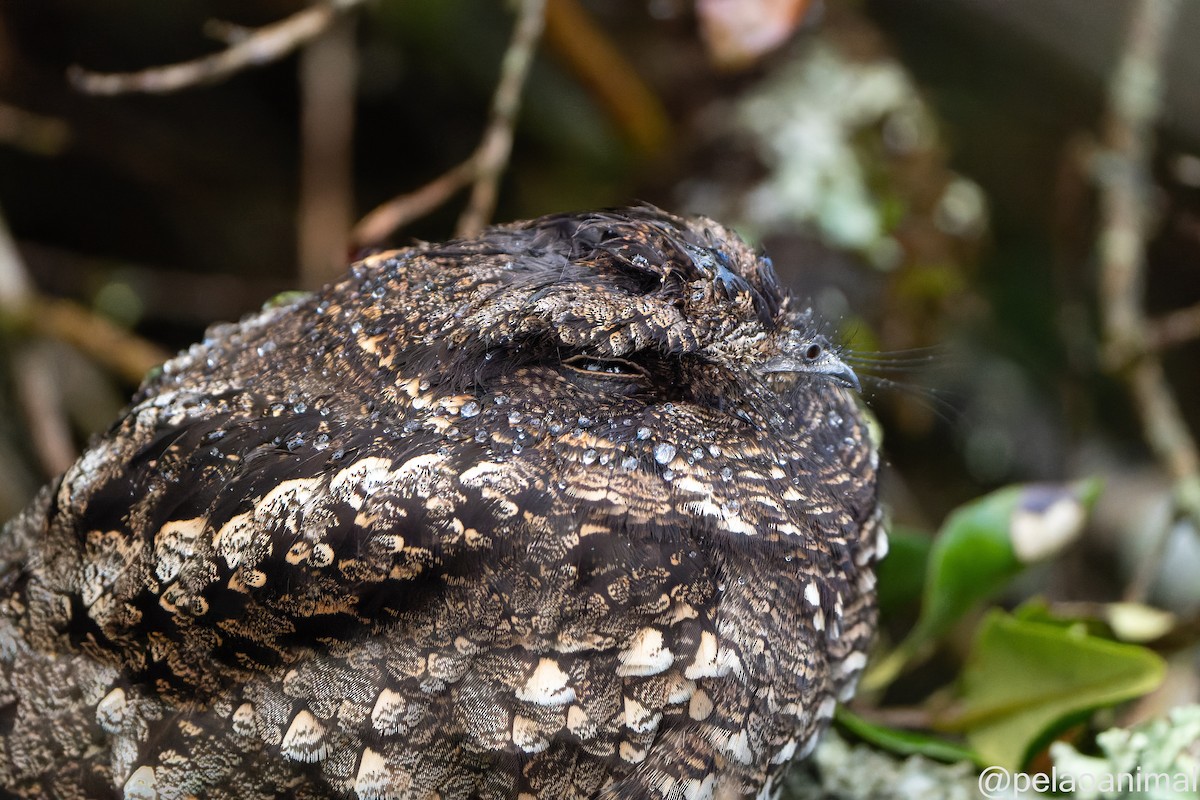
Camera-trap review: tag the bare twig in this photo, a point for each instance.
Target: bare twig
(1177, 327)
(399, 211)
(1134, 99)
(327, 78)
(494, 149)
(485, 165)
(261, 46)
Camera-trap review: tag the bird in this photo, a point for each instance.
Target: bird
(584, 506)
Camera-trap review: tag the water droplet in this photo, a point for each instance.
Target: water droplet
(378, 292)
(481, 436)
(629, 462)
(294, 442)
(584, 422)
(605, 458)
(698, 453)
(412, 425)
(555, 427)
(788, 559)
(469, 409)
(514, 418)
(727, 473)
(627, 422)
(668, 474)
(643, 433)
(589, 456)
(355, 327)
(424, 386)
(500, 400)
(516, 449)
(714, 451)
(663, 453)
(321, 442)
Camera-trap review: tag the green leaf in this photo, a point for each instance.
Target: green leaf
(902, 574)
(905, 743)
(1026, 681)
(980, 548)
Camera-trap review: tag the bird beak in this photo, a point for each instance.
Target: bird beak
(825, 364)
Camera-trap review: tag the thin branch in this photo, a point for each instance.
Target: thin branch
(494, 149)
(384, 219)
(328, 71)
(41, 399)
(259, 46)
(109, 345)
(1134, 100)
(1177, 327)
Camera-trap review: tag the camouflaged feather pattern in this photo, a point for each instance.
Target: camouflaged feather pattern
(579, 508)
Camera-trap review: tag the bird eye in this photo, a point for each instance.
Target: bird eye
(614, 368)
(813, 352)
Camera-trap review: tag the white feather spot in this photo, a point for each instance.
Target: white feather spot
(785, 753)
(375, 780)
(243, 720)
(386, 715)
(547, 686)
(110, 712)
(305, 739)
(640, 719)
(141, 784)
(526, 735)
(645, 655)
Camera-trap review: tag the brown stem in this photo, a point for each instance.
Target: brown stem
(328, 71)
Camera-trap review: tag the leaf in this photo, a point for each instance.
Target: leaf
(902, 574)
(901, 742)
(980, 548)
(1025, 681)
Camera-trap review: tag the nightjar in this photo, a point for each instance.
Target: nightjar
(581, 507)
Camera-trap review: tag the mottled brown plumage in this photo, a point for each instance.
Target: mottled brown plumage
(579, 508)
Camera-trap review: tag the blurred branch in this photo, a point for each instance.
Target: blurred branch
(247, 48)
(32, 132)
(599, 65)
(42, 401)
(1174, 328)
(23, 310)
(486, 164)
(116, 349)
(328, 69)
(384, 219)
(491, 157)
(1134, 99)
